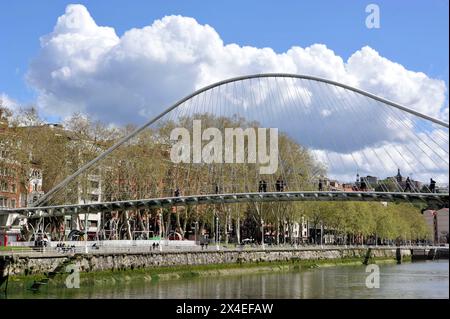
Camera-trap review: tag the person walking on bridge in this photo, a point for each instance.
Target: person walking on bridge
(408, 185)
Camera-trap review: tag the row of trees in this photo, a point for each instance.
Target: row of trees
(346, 222)
(142, 169)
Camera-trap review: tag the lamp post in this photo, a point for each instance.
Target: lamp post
(321, 235)
(217, 233)
(195, 232)
(86, 231)
(262, 234)
(160, 230)
(86, 216)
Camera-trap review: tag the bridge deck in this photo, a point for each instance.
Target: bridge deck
(438, 199)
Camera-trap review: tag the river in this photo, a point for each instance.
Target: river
(428, 279)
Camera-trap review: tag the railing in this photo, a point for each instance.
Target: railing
(56, 251)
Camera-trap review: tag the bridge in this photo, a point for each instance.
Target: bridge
(328, 131)
(62, 210)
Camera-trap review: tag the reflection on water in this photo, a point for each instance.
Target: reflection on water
(409, 280)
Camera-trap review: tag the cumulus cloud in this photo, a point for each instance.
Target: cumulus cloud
(8, 102)
(85, 67)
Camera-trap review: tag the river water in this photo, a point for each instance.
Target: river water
(428, 279)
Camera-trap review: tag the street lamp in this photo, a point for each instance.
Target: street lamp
(86, 230)
(217, 233)
(160, 230)
(262, 233)
(195, 233)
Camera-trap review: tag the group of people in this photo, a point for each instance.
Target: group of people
(409, 185)
(280, 185)
(204, 244)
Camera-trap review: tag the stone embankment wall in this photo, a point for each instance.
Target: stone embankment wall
(39, 264)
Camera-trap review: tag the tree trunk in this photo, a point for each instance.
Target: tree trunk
(238, 229)
(278, 231)
(186, 210)
(288, 224)
(127, 223)
(167, 228)
(226, 227)
(178, 224)
(140, 221)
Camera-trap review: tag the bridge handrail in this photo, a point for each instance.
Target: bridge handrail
(266, 195)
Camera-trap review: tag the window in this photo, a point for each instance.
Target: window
(95, 184)
(36, 173)
(92, 223)
(3, 186)
(3, 202)
(13, 203)
(13, 188)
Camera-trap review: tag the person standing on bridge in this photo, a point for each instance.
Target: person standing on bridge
(432, 186)
(262, 186)
(177, 192)
(279, 185)
(320, 185)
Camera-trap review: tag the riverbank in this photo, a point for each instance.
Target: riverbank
(31, 264)
(98, 268)
(108, 278)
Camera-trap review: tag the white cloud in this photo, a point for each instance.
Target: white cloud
(8, 102)
(382, 77)
(85, 67)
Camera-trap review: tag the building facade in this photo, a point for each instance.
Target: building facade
(438, 221)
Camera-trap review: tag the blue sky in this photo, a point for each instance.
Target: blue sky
(412, 33)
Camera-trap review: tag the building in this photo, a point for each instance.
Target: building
(15, 190)
(442, 189)
(92, 194)
(401, 183)
(370, 181)
(438, 223)
(334, 185)
(348, 187)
